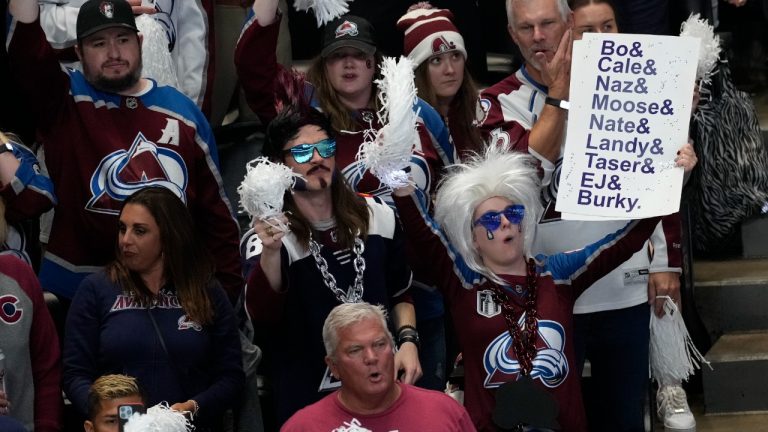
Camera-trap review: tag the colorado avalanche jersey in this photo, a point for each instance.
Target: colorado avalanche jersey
(187, 24)
(27, 196)
(31, 347)
(101, 147)
(293, 319)
(489, 359)
(510, 109)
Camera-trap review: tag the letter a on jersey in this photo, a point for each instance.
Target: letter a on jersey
(170, 132)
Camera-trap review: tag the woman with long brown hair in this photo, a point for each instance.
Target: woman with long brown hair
(437, 50)
(158, 314)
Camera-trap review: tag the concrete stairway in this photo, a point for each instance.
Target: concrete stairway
(732, 301)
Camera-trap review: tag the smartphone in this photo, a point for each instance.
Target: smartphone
(124, 412)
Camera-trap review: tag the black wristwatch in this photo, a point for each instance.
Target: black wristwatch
(408, 334)
(562, 104)
(7, 147)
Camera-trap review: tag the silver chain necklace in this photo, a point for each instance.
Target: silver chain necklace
(354, 293)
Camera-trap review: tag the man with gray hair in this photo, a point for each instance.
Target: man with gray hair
(361, 354)
(528, 110)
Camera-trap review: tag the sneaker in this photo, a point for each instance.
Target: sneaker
(673, 409)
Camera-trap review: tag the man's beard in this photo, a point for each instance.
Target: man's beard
(114, 85)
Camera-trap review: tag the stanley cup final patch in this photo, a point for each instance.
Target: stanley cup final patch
(486, 306)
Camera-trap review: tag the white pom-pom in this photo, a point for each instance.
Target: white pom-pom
(673, 355)
(709, 47)
(159, 418)
(325, 10)
(263, 188)
(156, 59)
(387, 152)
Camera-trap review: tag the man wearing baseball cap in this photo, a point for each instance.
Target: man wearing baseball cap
(107, 132)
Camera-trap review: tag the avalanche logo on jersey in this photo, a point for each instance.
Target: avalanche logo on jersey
(550, 365)
(124, 172)
(10, 312)
(185, 323)
(357, 171)
(163, 17)
(481, 111)
(347, 28)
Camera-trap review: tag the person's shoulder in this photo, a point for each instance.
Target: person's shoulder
(436, 403)
(9, 262)
(382, 215)
(97, 282)
(511, 83)
(17, 269)
(429, 396)
(311, 416)
(216, 291)
(376, 204)
(426, 111)
(171, 100)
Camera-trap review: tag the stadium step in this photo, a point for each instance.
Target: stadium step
(732, 296)
(738, 380)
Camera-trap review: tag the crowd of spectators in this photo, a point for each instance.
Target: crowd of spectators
(117, 211)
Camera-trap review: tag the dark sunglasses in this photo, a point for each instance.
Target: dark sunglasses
(302, 153)
(492, 220)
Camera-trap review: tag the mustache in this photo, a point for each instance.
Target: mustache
(317, 168)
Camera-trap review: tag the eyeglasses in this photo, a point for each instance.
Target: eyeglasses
(492, 220)
(302, 153)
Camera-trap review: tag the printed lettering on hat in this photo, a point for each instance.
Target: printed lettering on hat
(107, 9)
(441, 45)
(347, 28)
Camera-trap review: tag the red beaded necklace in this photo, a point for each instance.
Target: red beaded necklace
(523, 340)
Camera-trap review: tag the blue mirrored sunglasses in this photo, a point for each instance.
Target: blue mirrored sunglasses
(492, 220)
(302, 153)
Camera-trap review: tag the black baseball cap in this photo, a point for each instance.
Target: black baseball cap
(97, 15)
(348, 31)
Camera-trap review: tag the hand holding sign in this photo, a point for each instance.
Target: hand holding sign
(630, 108)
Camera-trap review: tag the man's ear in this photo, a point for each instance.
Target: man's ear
(88, 425)
(332, 366)
(141, 38)
(78, 52)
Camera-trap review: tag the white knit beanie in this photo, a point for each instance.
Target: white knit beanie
(429, 32)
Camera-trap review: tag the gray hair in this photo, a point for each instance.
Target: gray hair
(562, 7)
(500, 172)
(345, 315)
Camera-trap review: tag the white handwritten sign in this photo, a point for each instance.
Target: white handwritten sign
(631, 99)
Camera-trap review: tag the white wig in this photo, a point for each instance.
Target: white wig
(500, 172)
